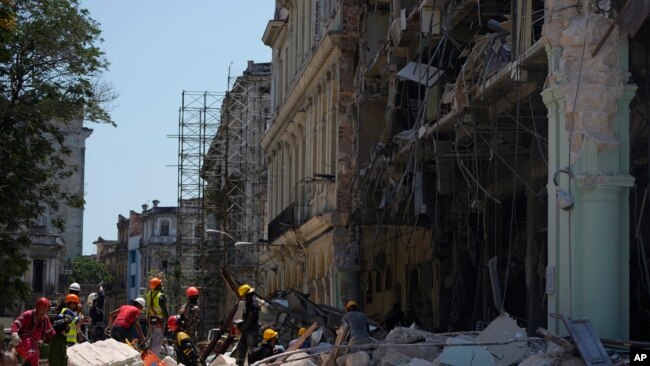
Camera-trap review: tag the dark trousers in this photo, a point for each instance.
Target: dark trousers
(247, 342)
(121, 334)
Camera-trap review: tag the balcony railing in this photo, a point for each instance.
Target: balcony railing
(156, 239)
(283, 222)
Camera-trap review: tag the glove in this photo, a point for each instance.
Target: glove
(15, 339)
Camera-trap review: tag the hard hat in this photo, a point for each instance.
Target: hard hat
(139, 301)
(72, 298)
(350, 304)
(191, 292)
(269, 334)
(43, 303)
(75, 287)
(60, 322)
(301, 331)
(154, 283)
(172, 322)
(91, 298)
(245, 289)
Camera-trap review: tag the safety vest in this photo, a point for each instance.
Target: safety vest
(71, 334)
(153, 303)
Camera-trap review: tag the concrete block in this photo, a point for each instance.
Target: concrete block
(394, 359)
(104, 353)
(420, 362)
(222, 360)
(299, 359)
(541, 359)
(358, 359)
(168, 361)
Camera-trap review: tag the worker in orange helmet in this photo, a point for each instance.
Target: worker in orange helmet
(156, 313)
(29, 329)
(190, 312)
(70, 310)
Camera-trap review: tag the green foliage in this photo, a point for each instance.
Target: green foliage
(88, 270)
(49, 67)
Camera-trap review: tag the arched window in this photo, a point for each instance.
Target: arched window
(388, 283)
(378, 282)
(164, 228)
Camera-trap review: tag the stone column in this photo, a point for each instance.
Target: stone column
(588, 110)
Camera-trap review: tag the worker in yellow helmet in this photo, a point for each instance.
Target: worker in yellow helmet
(267, 348)
(357, 323)
(306, 343)
(250, 325)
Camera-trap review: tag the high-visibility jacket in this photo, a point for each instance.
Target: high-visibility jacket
(71, 334)
(153, 304)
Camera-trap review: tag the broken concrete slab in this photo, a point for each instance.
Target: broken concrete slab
(393, 359)
(109, 352)
(420, 362)
(503, 329)
(223, 360)
(358, 359)
(466, 355)
(299, 359)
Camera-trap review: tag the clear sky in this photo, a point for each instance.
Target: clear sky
(157, 49)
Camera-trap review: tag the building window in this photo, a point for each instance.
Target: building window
(388, 285)
(378, 281)
(164, 228)
(164, 265)
(132, 281)
(38, 275)
(132, 256)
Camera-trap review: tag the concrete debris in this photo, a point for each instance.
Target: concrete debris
(223, 360)
(420, 362)
(299, 359)
(466, 355)
(358, 359)
(503, 329)
(394, 359)
(103, 353)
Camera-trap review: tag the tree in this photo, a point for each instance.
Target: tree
(49, 67)
(88, 270)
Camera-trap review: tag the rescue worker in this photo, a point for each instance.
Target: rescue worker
(183, 345)
(306, 343)
(122, 319)
(96, 303)
(357, 323)
(74, 289)
(29, 328)
(57, 354)
(250, 325)
(190, 313)
(70, 310)
(267, 347)
(156, 314)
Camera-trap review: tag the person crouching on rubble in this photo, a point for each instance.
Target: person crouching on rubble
(183, 345)
(250, 325)
(357, 323)
(267, 348)
(29, 329)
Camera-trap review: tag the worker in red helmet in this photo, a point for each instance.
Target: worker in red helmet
(190, 313)
(29, 328)
(186, 352)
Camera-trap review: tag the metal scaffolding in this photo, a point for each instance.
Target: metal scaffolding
(221, 185)
(199, 116)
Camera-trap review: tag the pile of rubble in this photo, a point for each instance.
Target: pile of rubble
(501, 343)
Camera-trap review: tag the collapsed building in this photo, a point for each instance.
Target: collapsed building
(462, 157)
(458, 157)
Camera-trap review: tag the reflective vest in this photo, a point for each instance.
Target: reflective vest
(153, 303)
(71, 334)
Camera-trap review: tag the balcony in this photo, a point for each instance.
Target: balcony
(160, 239)
(283, 222)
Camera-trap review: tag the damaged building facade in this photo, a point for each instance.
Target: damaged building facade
(462, 157)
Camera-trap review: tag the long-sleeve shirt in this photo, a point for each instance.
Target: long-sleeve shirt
(358, 323)
(57, 351)
(26, 325)
(251, 316)
(96, 311)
